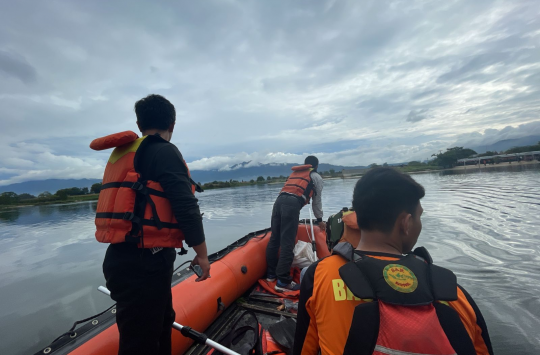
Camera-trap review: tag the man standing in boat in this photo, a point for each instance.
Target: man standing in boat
(303, 185)
(383, 298)
(146, 208)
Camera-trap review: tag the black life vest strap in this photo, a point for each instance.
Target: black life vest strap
(129, 216)
(309, 188)
(137, 186)
(198, 187)
(155, 215)
(454, 329)
(355, 280)
(364, 330)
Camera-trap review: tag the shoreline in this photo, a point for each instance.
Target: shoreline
(493, 166)
(70, 199)
(94, 197)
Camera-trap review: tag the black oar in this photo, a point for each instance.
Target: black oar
(189, 332)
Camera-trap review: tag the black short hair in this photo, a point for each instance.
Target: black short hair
(155, 112)
(312, 160)
(381, 195)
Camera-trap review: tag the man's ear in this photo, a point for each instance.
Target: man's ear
(406, 223)
(171, 127)
(138, 125)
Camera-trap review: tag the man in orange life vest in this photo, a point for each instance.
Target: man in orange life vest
(375, 299)
(146, 209)
(301, 186)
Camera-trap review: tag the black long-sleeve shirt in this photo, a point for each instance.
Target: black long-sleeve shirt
(161, 161)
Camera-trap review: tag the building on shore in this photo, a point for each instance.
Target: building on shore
(501, 158)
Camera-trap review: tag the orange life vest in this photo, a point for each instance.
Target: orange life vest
(299, 183)
(407, 311)
(123, 193)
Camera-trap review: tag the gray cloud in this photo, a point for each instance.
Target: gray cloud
(490, 136)
(262, 80)
(16, 66)
(417, 115)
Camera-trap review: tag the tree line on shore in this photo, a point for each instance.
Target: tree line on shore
(449, 158)
(260, 180)
(441, 160)
(11, 198)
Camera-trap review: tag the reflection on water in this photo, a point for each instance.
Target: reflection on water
(484, 226)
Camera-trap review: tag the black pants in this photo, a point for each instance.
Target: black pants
(285, 216)
(140, 283)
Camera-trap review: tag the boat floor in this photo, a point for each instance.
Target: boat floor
(264, 307)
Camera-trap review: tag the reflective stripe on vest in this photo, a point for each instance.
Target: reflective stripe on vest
(382, 350)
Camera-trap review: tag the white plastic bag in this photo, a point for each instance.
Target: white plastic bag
(303, 255)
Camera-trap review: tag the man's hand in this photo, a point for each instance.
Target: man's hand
(322, 226)
(205, 266)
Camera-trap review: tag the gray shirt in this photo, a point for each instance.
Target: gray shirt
(316, 201)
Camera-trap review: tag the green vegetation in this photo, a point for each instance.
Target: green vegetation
(89, 197)
(72, 194)
(96, 188)
(487, 154)
(331, 174)
(449, 158)
(235, 183)
(525, 148)
(418, 167)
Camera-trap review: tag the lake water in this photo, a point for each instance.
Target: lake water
(484, 226)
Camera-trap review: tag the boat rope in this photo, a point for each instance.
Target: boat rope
(175, 270)
(222, 253)
(72, 332)
(309, 235)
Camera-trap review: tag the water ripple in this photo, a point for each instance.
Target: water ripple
(483, 226)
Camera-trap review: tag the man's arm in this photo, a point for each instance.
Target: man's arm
(306, 339)
(173, 176)
(316, 203)
(480, 334)
(202, 260)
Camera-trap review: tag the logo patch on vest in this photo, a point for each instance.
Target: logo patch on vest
(400, 278)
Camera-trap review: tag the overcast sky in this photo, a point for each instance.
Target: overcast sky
(354, 82)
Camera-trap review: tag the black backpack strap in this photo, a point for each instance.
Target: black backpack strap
(355, 280)
(424, 254)
(364, 330)
(454, 329)
(443, 283)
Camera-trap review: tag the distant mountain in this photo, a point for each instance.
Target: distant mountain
(507, 144)
(51, 185)
(237, 172)
(240, 172)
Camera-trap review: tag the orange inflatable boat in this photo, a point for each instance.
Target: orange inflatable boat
(203, 306)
